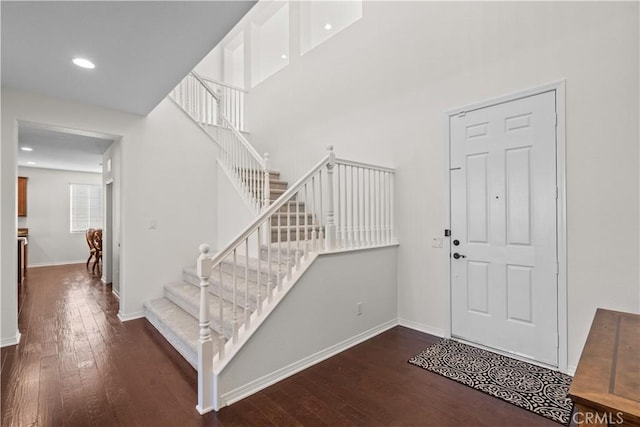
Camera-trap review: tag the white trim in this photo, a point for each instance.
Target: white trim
(52, 264)
(359, 249)
(421, 327)
(116, 294)
(131, 316)
(571, 370)
(516, 356)
(282, 373)
(561, 207)
(6, 342)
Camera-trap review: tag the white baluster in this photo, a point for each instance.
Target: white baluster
(330, 232)
(247, 308)
(266, 198)
(352, 240)
(269, 227)
(314, 223)
(392, 205)
(221, 340)
(297, 225)
(205, 344)
(306, 223)
(339, 223)
(259, 274)
(235, 298)
(279, 238)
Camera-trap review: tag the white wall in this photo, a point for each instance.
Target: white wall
(168, 176)
(234, 211)
(48, 216)
(377, 92)
(112, 175)
(324, 303)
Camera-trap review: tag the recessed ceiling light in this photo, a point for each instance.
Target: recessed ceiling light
(26, 148)
(84, 63)
(327, 27)
(283, 56)
(31, 163)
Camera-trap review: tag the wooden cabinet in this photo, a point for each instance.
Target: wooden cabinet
(22, 196)
(606, 386)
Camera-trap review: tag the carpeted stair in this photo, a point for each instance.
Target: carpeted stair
(175, 315)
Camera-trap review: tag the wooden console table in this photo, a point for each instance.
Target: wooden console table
(606, 386)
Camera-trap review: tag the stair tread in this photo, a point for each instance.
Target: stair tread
(187, 297)
(181, 323)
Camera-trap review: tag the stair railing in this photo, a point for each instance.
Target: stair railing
(209, 107)
(232, 103)
(338, 204)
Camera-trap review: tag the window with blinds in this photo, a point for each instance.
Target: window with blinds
(86, 206)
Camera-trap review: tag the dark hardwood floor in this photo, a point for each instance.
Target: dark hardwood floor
(78, 365)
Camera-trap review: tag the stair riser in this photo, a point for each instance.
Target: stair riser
(292, 220)
(227, 292)
(193, 308)
(189, 354)
(252, 273)
(275, 185)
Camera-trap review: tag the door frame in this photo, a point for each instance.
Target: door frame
(561, 206)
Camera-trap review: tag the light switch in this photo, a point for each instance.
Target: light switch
(153, 224)
(436, 242)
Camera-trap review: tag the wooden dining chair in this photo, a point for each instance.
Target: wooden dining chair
(90, 236)
(97, 244)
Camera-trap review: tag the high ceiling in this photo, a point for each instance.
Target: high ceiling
(141, 50)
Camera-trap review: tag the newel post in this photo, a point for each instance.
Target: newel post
(205, 343)
(330, 232)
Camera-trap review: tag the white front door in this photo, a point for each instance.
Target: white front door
(503, 227)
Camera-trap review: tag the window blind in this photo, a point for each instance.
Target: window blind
(86, 206)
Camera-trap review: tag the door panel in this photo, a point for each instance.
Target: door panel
(503, 212)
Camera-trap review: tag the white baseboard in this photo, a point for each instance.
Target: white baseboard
(117, 295)
(282, 373)
(6, 342)
(421, 327)
(52, 264)
(130, 316)
(571, 370)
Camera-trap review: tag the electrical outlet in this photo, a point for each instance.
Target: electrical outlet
(436, 242)
(359, 312)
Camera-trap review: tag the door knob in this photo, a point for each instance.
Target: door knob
(456, 255)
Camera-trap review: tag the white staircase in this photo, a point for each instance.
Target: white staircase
(221, 302)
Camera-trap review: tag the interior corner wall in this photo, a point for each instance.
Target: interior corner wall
(234, 213)
(112, 173)
(378, 91)
(50, 240)
(168, 178)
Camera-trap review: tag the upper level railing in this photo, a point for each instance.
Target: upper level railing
(233, 101)
(208, 107)
(338, 204)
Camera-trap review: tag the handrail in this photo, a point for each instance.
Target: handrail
(284, 198)
(228, 123)
(206, 86)
(244, 142)
(364, 165)
(219, 83)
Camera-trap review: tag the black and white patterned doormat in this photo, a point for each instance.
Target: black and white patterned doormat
(537, 389)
